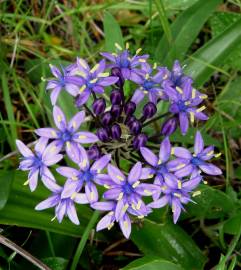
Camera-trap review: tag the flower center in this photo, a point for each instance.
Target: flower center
(161, 169)
(148, 84)
(128, 189)
(124, 63)
(37, 162)
(87, 176)
(66, 136)
(181, 106)
(196, 161)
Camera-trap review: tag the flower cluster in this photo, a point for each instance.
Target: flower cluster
(120, 123)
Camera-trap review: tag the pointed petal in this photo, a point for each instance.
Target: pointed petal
(138, 96)
(41, 145)
(184, 122)
(81, 198)
(76, 121)
(210, 169)
(70, 187)
(68, 172)
(176, 209)
(60, 210)
(23, 149)
(135, 173)
(51, 133)
(59, 118)
(105, 222)
(182, 152)
(71, 212)
(112, 194)
(85, 137)
(103, 206)
(146, 173)
(101, 163)
(115, 174)
(54, 94)
(185, 171)
(48, 203)
(165, 150)
(125, 225)
(33, 180)
(159, 203)
(199, 144)
(149, 156)
(91, 192)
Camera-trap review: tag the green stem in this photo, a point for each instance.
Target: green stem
(83, 240)
(156, 118)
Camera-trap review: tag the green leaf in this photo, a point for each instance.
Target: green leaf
(203, 62)
(56, 263)
(184, 31)
(112, 33)
(6, 178)
(152, 263)
(232, 225)
(19, 210)
(211, 204)
(169, 242)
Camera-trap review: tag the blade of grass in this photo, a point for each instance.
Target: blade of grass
(83, 240)
(9, 109)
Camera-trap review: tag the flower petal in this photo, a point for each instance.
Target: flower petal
(103, 206)
(41, 145)
(85, 137)
(105, 222)
(112, 194)
(149, 156)
(135, 173)
(146, 173)
(210, 169)
(125, 225)
(115, 174)
(60, 210)
(159, 203)
(51, 133)
(81, 198)
(59, 118)
(33, 179)
(68, 172)
(184, 122)
(165, 150)
(76, 121)
(54, 94)
(101, 163)
(48, 203)
(199, 144)
(185, 171)
(182, 152)
(138, 96)
(23, 149)
(91, 192)
(71, 212)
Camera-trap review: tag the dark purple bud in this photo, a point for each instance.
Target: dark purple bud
(115, 97)
(135, 127)
(169, 126)
(116, 111)
(139, 141)
(115, 132)
(99, 106)
(129, 120)
(149, 110)
(94, 152)
(115, 71)
(102, 134)
(130, 108)
(106, 118)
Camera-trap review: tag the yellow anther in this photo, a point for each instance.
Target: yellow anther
(111, 213)
(165, 77)
(126, 224)
(82, 137)
(147, 192)
(74, 177)
(133, 206)
(193, 93)
(147, 76)
(140, 217)
(192, 117)
(178, 195)
(84, 162)
(201, 109)
(127, 45)
(179, 90)
(128, 58)
(203, 96)
(104, 74)
(120, 178)
(94, 68)
(74, 124)
(68, 144)
(51, 66)
(196, 193)
(114, 54)
(125, 207)
(138, 206)
(163, 188)
(94, 80)
(155, 66)
(59, 118)
(136, 184)
(142, 60)
(43, 79)
(106, 186)
(82, 74)
(194, 155)
(73, 195)
(205, 182)
(187, 103)
(173, 208)
(218, 155)
(120, 196)
(159, 162)
(172, 151)
(92, 195)
(26, 183)
(82, 63)
(210, 153)
(145, 92)
(52, 219)
(138, 50)
(118, 46)
(82, 88)
(150, 175)
(179, 184)
(110, 226)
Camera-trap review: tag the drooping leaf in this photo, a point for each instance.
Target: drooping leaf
(202, 63)
(112, 33)
(169, 242)
(232, 225)
(6, 178)
(152, 263)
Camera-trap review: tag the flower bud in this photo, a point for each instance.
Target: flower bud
(115, 97)
(129, 120)
(130, 108)
(116, 111)
(115, 132)
(106, 119)
(93, 152)
(169, 126)
(135, 127)
(149, 110)
(115, 71)
(99, 106)
(139, 141)
(102, 134)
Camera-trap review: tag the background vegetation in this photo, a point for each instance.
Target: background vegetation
(206, 37)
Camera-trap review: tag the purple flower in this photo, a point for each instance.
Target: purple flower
(149, 84)
(63, 206)
(196, 161)
(93, 80)
(127, 191)
(184, 102)
(64, 80)
(66, 133)
(176, 193)
(159, 165)
(37, 163)
(127, 64)
(86, 176)
(109, 219)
